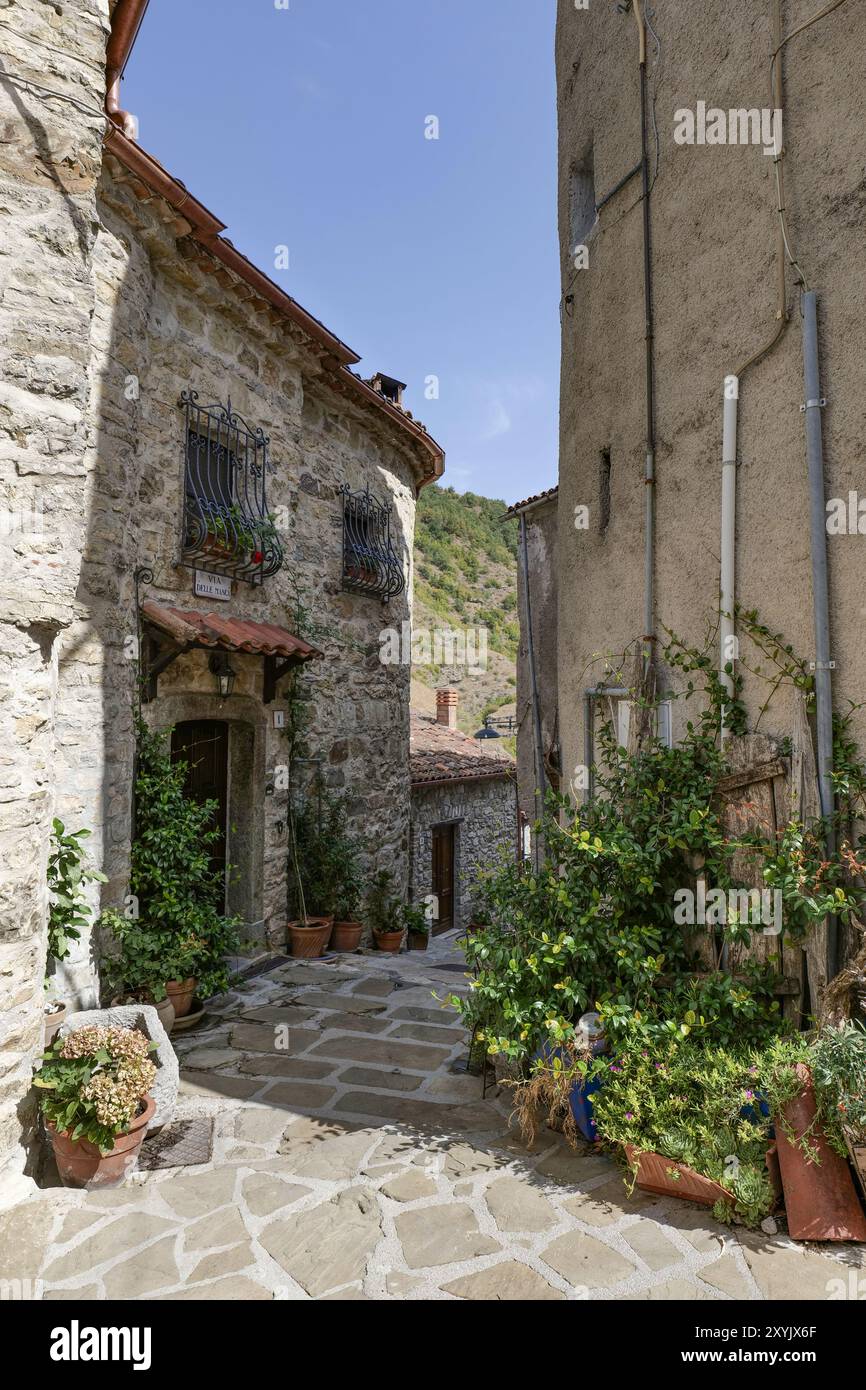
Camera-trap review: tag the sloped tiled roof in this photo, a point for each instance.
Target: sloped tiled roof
(188, 626)
(531, 501)
(440, 754)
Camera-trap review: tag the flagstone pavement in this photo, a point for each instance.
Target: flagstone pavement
(354, 1158)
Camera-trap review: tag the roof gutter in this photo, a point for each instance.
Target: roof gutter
(125, 24)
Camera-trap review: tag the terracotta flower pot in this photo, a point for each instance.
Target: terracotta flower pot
(164, 1009)
(180, 994)
(418, 941)
(655, 1173)
(389, 940)
(821, 1200)
(53, 1022)
(346, 936)
(80, 1164)
(309, 939)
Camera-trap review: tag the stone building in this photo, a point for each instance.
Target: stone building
(464, 813)
(656, 346)
(538, 764)
(198, 489)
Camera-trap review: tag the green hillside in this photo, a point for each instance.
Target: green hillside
(466, 578)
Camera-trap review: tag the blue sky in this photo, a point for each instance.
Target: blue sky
(305, 127)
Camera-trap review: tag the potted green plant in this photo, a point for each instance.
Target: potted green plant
(179, 941)
(692, 1121)
(839, 1072)
(821, 1200)
(344, 877)
(95, 1103)
(385, 913)
(68, 910)
(417, 924)
(313, 884)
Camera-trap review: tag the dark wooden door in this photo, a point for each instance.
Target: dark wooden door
(203, 744)
(443, 877)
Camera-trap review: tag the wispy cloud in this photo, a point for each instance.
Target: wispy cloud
(498, 420)
(504, 400)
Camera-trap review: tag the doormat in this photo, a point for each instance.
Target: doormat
(262, 967)
(182, 1144)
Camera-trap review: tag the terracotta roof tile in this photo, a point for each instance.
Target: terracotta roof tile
(189, 625)
(440, 754)
(531, 501)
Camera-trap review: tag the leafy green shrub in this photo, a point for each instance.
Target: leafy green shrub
(384, 909)
(68, 910)
(326, 861)
(838, 1063)
(180, 928)
(698, 1105)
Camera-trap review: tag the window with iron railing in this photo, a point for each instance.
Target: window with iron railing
(370, 562)
(227, 528)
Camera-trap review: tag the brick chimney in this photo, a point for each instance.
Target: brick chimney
(446, 708)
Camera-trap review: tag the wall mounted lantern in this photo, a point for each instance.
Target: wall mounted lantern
(220, 667)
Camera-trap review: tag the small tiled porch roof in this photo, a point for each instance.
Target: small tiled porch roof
(438, 754)
(189, 627)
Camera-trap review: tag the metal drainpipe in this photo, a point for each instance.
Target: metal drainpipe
(589, 697)
(540, 778)
(812, 408)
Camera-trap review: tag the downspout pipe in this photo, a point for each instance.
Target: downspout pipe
(650, 462)
(824, 667)
(127, 20)
(540, 776)
(727, 628)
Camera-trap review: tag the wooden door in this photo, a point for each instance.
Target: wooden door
(203, 744)
(443, 877)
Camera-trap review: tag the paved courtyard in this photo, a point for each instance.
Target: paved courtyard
(354, 1158)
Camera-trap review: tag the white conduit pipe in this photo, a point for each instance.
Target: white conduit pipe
(727, 626)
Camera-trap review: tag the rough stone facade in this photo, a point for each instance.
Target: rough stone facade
(539, 585)
(465, 783)
(50, 156)
(485, 829)
(108, 311)
(714, 242)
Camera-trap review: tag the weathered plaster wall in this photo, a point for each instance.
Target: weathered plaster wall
(714, 232)
(541, 544)
(485, 818)
(50, 156)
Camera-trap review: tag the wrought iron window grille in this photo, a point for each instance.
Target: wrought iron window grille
(227, 528)
(370, 562)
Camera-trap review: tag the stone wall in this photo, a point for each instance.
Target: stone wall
(50, 158)
(167, 328)
(485, 819)
(714, 241)
(103, 322)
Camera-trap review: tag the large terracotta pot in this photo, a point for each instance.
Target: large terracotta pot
(389, 940)
(346, 936)
(80, 1164)
(53, 1022)
(655, 1173)
(821, 1200)
(180, 994)
(309, 939)
(164, 1009)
